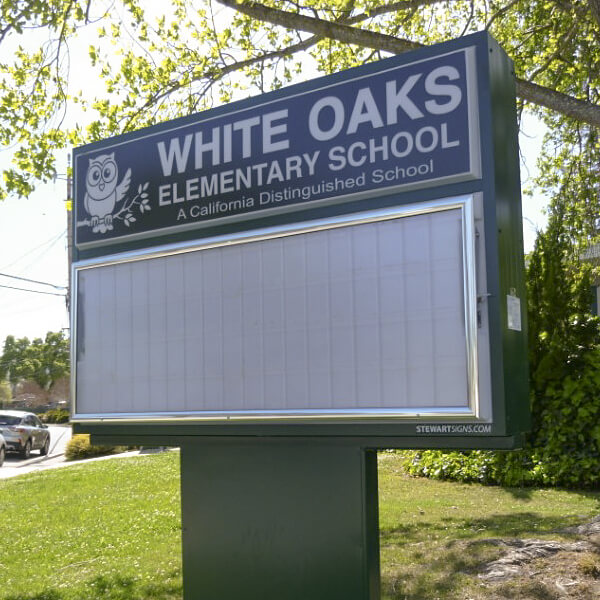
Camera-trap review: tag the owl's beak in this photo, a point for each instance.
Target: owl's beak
(101, 186)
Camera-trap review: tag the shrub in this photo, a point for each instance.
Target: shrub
(564, 452)
(79, 447)
(56, 415)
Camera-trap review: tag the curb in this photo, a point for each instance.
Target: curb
(40, 459)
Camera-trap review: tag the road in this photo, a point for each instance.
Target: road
(15, 465)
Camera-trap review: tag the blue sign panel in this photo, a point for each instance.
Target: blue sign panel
(372, 130)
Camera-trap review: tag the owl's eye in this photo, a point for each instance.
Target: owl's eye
(109, 171)
(94, 174)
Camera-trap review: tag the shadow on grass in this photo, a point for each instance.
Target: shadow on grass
(441, 574)
(522, 524)
(441, 559)
(520, 493)
(111, 588)
(526, 493)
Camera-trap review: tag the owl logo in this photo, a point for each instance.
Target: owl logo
(102, 192)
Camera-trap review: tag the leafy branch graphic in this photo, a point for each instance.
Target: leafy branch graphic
(141, 200)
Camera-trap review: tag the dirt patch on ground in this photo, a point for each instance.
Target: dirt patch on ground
(547, 569)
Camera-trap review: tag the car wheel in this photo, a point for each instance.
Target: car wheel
(26, 451)
(2, 455)
(45, 448)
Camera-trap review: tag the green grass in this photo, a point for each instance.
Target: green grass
(111, 530)
(435, 535)
(105, 530)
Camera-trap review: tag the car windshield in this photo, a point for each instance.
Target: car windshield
(9, 420)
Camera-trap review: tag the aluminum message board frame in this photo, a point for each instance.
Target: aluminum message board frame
(452, 114)
(199, 344)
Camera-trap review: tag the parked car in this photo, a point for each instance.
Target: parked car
(24, 432)
(2, 449)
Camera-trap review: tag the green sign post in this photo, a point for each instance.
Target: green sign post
(286, 284)
(293, 519)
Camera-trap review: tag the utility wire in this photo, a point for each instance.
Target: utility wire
(50, 241)
(53, 243)
(56, 287)
(10, 287)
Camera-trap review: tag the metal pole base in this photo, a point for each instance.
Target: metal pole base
(275, 520)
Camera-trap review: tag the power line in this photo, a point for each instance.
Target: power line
(53, 240)
(10, 287)
(56, 287)
(47, 249)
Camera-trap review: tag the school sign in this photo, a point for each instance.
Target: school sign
(341, 257)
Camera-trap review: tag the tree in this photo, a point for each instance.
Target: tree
(14, 365)
(155, 67)
(42, 361)
(5, 393)
(562, 331)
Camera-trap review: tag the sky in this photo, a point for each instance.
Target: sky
(33, 245)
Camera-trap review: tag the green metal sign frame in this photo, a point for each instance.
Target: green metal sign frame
(494, 184)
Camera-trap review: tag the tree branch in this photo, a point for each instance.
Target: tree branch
(595, 10)
(214, 75)
(579, 110)
(11, 23)
(330, 29)
(227, 68)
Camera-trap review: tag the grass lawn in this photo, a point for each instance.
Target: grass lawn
(104, 530)
(111, 530)
(434, 535)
